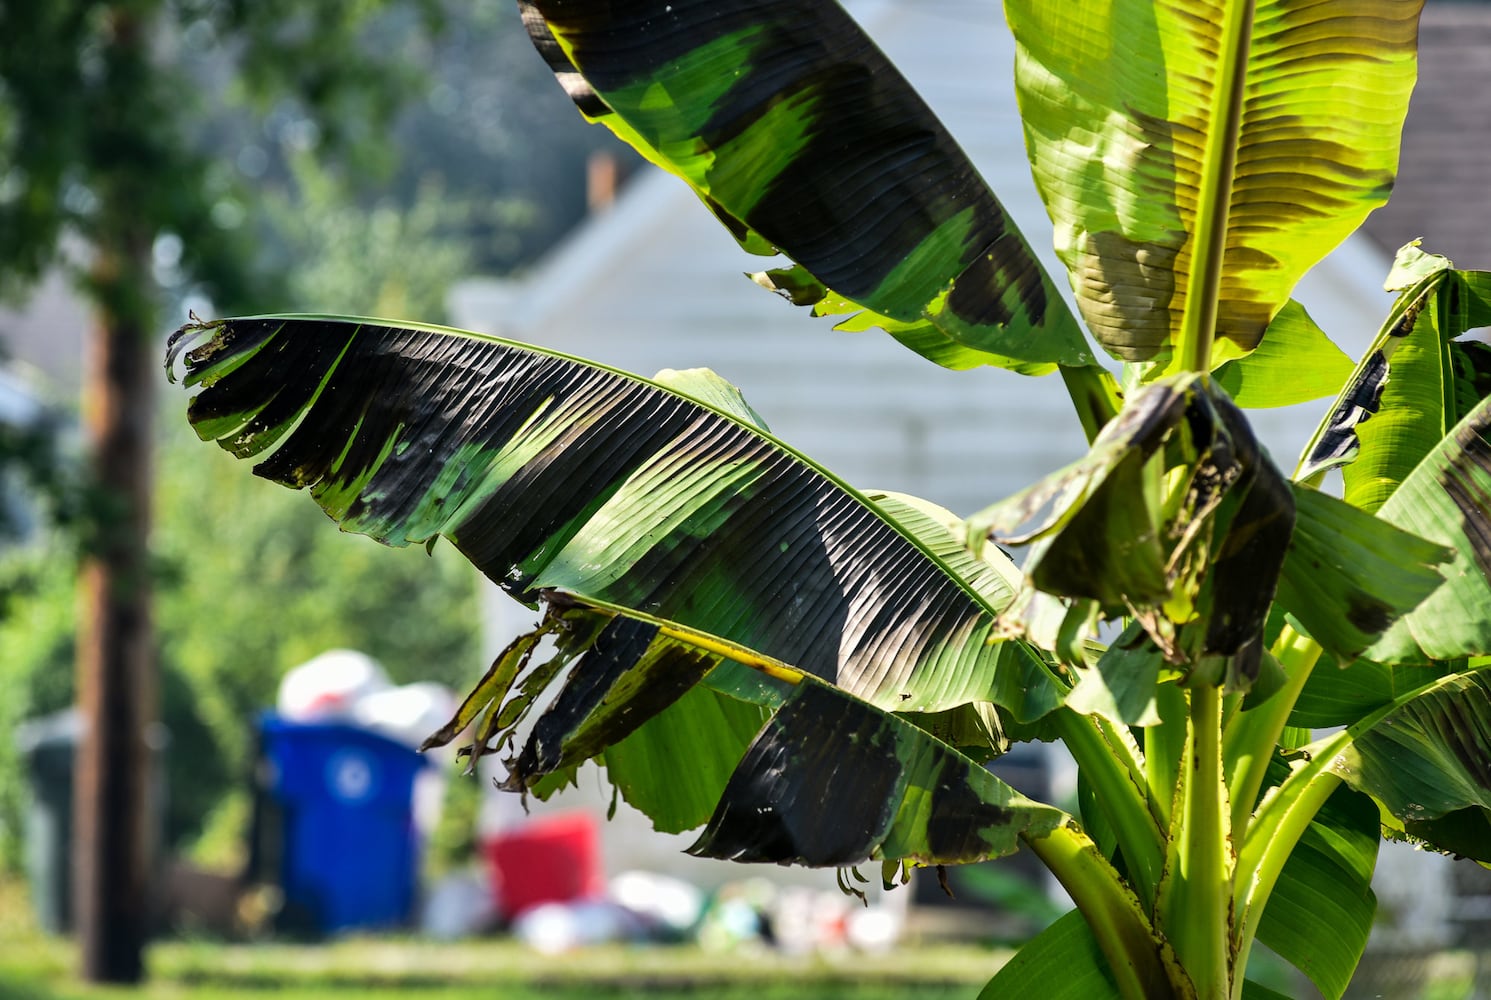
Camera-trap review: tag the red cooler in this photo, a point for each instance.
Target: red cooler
(550, 859)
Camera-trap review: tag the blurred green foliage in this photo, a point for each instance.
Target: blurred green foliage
(269, 154)
(250, 582)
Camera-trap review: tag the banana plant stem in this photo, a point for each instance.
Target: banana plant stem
(1135, 953)
(1120, 795)
(1251, 736)
(1095, 396)
(1282, 819)
(1196, 903)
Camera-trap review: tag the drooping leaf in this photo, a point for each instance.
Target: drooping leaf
(802, 138)
(1294, 363)
(554, 475)
(1062, 962)
(630, 674)
(1447, 500)
(1413, 384)
(1320, 912)
(832, 781)
(1151, 126)
(1427, 756)
(1349, 575)
(1176, 516)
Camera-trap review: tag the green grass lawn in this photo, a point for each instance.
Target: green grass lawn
(43, 969)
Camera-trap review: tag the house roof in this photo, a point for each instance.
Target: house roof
(1442, 192)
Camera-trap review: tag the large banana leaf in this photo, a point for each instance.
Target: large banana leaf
(803, 138)
(556, 477)
(1198, 156)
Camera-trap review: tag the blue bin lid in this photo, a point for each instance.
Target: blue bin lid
(339, 762)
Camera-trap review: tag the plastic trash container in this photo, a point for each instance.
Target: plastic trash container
(48, 746)
(348, 850)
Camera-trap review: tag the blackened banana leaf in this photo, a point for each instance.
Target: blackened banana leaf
(557, 476)
(681, 551)
(802, 138)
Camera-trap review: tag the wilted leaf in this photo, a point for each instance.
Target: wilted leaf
(832, 781)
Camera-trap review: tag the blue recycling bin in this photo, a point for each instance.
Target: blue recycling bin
(343, 800)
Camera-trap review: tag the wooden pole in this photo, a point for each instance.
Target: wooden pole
(113, 821)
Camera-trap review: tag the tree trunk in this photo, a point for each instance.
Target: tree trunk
(114, 821)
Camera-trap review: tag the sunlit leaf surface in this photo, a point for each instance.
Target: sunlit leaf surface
(1129, 110)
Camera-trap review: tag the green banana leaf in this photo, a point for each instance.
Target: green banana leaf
(580, 485)
(1413, 384)
(1199, 154)
(1062, 962)
(1446, 499)
(1431, 381)
(705, 727)
(1424, 758)
(1348, 575)
(1294, 363)
(1340, 696)
(802, 138)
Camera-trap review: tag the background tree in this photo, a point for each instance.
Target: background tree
(98, 107)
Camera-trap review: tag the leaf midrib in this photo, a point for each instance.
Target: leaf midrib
(1218, 169)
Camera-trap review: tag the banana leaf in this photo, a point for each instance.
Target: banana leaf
(803, 138)
(1426, 759)
(596, 491)
(1294, 363)
(1446, 500)
(1206, 154)
(1415, 382)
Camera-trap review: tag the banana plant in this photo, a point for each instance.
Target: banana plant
(813, 674)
